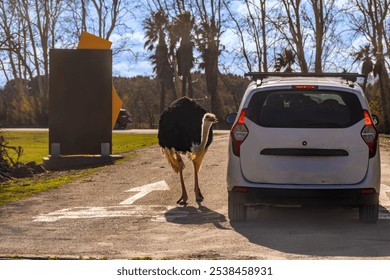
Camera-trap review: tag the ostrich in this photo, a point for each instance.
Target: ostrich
(186, 127)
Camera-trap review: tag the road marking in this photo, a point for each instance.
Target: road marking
(156, 213)
(85, 212)
(98, 212)
(145, 190)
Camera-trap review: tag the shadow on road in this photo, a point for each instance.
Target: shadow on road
(318, 232)
(193, 215)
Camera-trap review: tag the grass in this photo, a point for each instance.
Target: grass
(127, 142)
(35, 144)
(18, 189)
(35, 147)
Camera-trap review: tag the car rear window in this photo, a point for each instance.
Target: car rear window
(305, 109)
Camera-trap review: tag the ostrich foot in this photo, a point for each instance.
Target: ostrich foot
(182, 201)
(199, 197)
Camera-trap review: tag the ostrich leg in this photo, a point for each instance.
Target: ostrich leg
(198, 194)
(197, 161)
(184, 197)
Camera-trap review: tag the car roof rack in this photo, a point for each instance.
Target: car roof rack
(352, 77)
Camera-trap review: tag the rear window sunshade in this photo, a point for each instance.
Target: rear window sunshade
(305, 109)
(305, 152)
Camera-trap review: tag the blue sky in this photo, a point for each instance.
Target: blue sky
(135, 62)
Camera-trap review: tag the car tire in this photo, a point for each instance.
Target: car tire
(236, 208)
(369, 213)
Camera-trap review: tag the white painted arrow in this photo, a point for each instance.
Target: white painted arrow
(156, 212)
(144, 190)
(107, 212)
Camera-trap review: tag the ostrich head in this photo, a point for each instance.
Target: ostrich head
(209, 119)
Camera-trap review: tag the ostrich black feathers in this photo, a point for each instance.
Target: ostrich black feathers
(181, 124)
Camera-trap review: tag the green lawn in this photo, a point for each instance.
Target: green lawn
(35, 146)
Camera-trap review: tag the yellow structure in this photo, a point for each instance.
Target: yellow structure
(90, 41)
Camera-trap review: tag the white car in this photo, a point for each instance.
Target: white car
(303, 139)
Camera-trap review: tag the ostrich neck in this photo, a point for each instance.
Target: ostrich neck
(204, 136)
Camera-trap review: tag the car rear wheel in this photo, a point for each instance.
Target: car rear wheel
(236, 208)
(369, 213)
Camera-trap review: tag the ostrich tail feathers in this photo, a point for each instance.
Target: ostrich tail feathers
(174, 159)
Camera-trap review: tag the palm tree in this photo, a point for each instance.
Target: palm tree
(284, 61)
(181, 31)
(208, 35)
(368, 66)
(156, 28)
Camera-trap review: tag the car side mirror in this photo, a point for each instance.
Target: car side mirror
(375, 119)
(230, 118)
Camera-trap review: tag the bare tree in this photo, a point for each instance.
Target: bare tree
(103, 18)
(254, 26)
(310, 29)
(241, 33)
(325, 27)
(99, 17)
(296, 37)
(107, 15)
(41, 33)
(30, 27)
(369, 18)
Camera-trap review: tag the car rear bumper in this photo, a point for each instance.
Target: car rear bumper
(372, 179)
(307, 197)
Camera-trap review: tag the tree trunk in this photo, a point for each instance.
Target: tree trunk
(264, 36)
(212, 81)
(384, 83)
(190, 87)
(184, 85)
(162, 96)
(319, 33)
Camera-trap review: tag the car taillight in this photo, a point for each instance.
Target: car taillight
(370, 134)
(240, 189)
(305, 87)
(367, 191)
(239, 132)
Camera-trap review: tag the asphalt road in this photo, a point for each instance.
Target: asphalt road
(128, 210)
